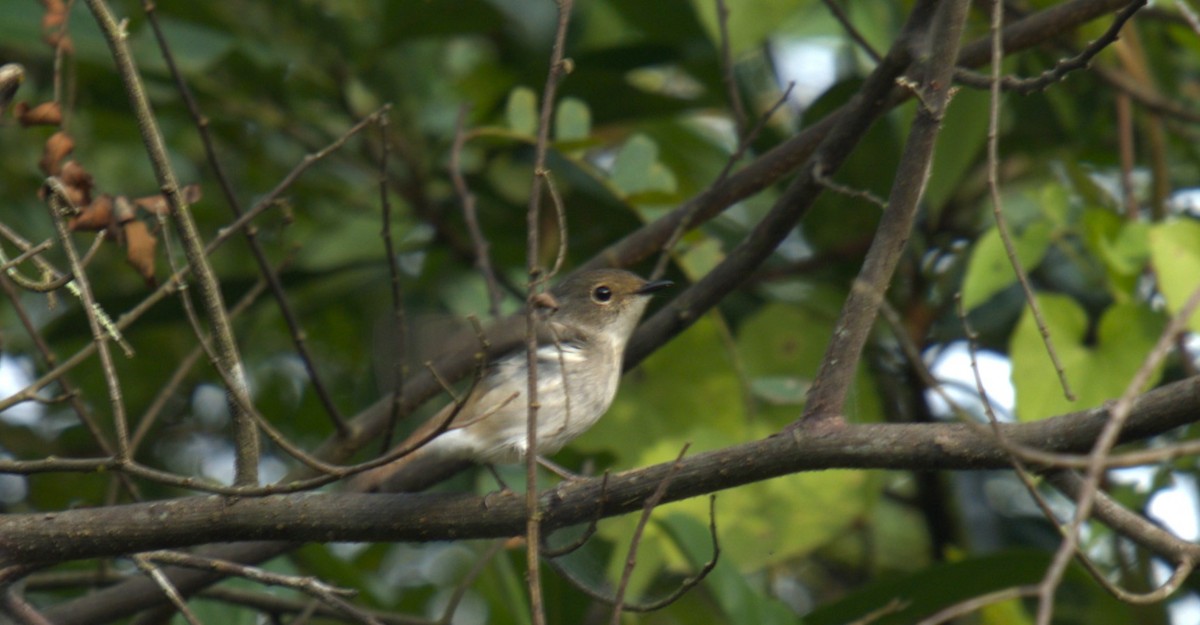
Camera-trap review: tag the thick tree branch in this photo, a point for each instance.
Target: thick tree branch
(786, 157)
(42, 537)
(931, 85)
(904, 447)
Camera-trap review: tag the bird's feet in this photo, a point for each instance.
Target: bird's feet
(494, 497)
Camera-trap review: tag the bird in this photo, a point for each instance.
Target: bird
(582, 330)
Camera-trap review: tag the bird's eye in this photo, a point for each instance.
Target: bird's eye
(602, 294)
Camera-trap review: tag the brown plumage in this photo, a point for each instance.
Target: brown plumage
(581, 345)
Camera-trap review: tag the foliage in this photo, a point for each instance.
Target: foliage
(642, 125)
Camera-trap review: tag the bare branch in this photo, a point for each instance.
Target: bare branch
(246, 436)
(147, 566)
(727, 73)
(536, 278)
(827, 395)
(840, 15)
(483, 255)
(18, 607)
(631, 558)
(1108, 437)
(993, 150)
(967, 606)
(60, 207)
(1060, 70)
(399, 354)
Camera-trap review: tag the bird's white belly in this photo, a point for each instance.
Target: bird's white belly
(568, 405)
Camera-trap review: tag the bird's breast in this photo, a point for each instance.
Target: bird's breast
(575, 387)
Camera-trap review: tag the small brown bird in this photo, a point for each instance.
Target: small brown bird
(581, 346)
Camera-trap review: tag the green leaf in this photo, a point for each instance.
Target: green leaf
(780, 389)
(739, 600)
(783, 340)
(521, 111)
(688, 393)
(989, 271)
(749, 21)
(1097, 371)
(1123, 245)
(1175, 253)
(781, 347)
(1085, 186)
(637, 170)
(572, 120)
(194, 47)
(958, 146)
(699, 259)
(927, 591)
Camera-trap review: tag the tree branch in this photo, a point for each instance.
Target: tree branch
(45, 537)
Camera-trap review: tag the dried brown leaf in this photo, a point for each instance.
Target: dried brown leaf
(76, 178)
(44, 114)
(95, 216)
(58, 146)
(54, 25)
(157, 204)
(140, 244)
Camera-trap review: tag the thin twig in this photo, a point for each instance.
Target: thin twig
(483, 255)
(861, 194)
(70, 392)
(460, 590)
(15, 605)
(25, 255)
(60, 207)
(1189, 15)
(268, 200)
(967, 606)
(399, 360)
(631, 557)
(1136, 527)
(229, 360)
(1132, 56)
(744, 143)
(993, 176)
(839, 14)
(176, 280)
(53, 279)
(558, 68)
(156, 574)
(202, 125)
(891, 607)
(658, 604)
(1125, 150)
(560, 218)
(328, 594)
(275, 605)
(1118, 414)
(183, 368)
(1060, 70)
(727, 74)
(1025, 453)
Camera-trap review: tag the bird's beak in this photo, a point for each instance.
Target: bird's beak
(656, 285)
